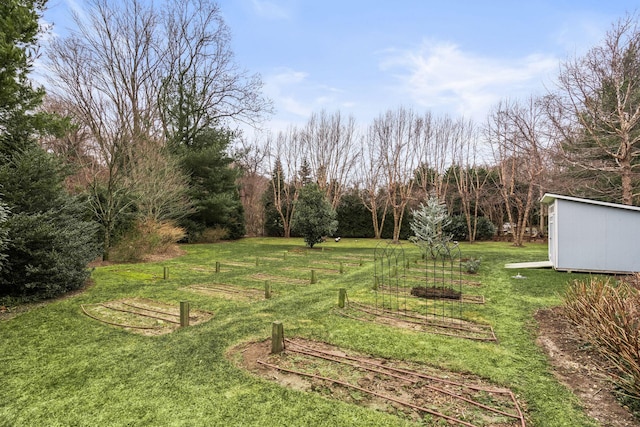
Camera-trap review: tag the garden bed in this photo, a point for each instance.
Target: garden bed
(142, 316)
(413, 391)
(227, 291)
(435, 324)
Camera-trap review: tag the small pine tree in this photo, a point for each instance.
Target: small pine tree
(427, 225)
(314, 217)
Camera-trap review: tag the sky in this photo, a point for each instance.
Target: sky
(362, 58)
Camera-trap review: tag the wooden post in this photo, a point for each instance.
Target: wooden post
(360, 263)
(184, 313)
(165, 273)
(375, 282)
(313, 277)
(341, 267)
(267, 289)
(217, 266)
(285, 255)
(277, 337)
(342, 293)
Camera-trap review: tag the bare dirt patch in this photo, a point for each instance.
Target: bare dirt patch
(581, 369)
(410, 390)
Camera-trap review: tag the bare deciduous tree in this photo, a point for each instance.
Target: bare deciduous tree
(597, 109)
(371, 182)
(467, 173)
(519, 136)
(251, 158)
(330, 147)
(398, 135)
(136, 73)
(285, 160)
(199, 84)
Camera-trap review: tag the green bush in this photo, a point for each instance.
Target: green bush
(354, 220)
(460, 232)
(50, 240)
(313, 218)
(48, 253)
(472, 265)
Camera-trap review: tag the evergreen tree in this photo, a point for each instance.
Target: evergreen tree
(314, 217)
(49, 241)
(427, 226)
(45, 244)
(213, 188)
(19, 29)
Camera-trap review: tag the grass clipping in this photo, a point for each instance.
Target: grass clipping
(607, 315)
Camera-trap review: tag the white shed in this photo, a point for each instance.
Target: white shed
(591, 236)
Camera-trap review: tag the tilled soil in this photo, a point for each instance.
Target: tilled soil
(414, 391)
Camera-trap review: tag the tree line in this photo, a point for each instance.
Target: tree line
(581, 138)
(133, 146)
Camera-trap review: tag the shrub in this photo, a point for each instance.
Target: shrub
(148, 237)
(314, 217)
(48, 253)
(608, 316)
(457, 228)
(472, 265)
(485, 230)
(213, 235)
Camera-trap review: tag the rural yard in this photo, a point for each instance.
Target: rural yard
(115, 353)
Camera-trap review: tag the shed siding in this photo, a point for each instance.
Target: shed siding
(596, 238)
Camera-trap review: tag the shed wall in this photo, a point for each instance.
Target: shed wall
(596, 238)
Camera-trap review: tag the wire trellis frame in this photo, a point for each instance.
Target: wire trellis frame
(436, 278)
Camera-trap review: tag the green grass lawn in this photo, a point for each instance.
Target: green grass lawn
(59, 367)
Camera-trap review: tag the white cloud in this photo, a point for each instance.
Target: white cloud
(296, 96)
(270, 10)
(442, 77)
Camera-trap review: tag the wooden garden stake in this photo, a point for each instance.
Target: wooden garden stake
(267, 289)
(184, 313)
(165, 273)
(341, 267)
(217, 266)
(313, 277)
(342, 293)
(277, 337)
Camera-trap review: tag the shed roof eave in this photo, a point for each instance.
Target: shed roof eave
(548, 198)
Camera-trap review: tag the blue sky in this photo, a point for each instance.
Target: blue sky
(458, 57)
